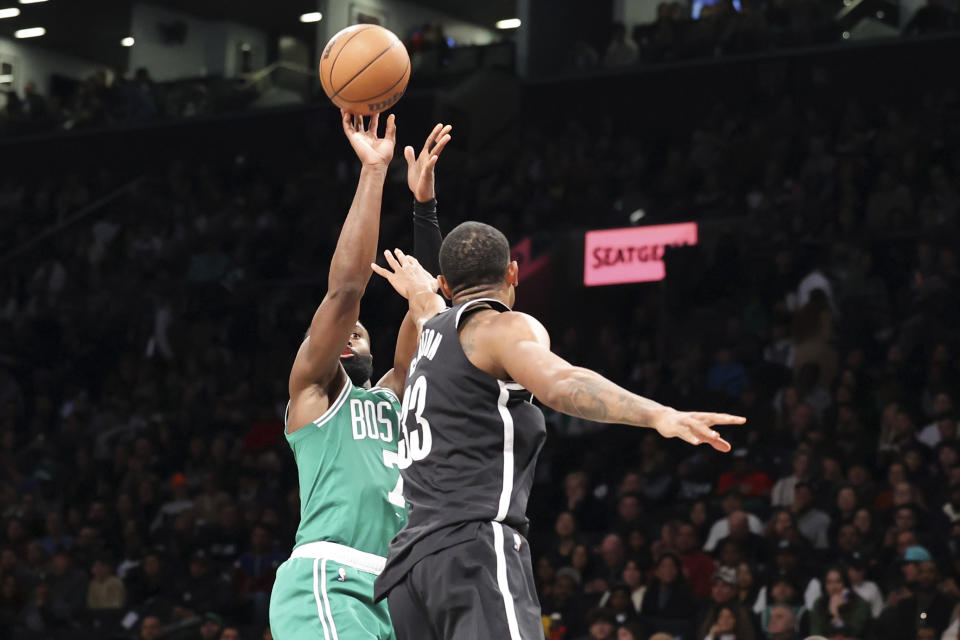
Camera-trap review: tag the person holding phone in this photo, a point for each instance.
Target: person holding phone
(839, 611)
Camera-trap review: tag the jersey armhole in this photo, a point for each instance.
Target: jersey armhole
(388, 392)
(324, 418)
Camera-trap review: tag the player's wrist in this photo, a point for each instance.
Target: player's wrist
(374, 169)
(424, 203)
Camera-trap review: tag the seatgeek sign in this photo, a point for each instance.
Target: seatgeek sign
(633, 254)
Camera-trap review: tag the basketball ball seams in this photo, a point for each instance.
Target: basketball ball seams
(362, 69)
(388, 89)
(342, 47)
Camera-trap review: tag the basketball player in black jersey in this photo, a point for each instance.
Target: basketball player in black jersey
(460, 569)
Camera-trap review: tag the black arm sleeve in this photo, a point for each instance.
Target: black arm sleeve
(426, 235)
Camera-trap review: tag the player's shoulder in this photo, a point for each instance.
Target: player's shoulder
(381, 393)
(520, 326)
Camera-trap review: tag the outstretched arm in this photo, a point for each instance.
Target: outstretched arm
(426, 243)
(420, 179)
(317, 366)
(519, 346)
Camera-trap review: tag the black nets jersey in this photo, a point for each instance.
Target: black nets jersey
(469, 449)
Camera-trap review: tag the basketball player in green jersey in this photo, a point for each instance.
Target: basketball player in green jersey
(344, 433)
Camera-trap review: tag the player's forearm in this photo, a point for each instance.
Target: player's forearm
(426, 235)
(586, 394)
(357, 246)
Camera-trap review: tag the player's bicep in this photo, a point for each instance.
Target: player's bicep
(534, 366)
(521, 346)
(318, 359)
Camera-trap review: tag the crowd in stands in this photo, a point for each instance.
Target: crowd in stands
(728, 27)
(146, 489)
(719, 28)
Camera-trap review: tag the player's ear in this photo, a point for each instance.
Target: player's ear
(513, 274)
(445, 288)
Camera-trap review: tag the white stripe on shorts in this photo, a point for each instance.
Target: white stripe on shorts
(512, 624)
(326, 598)
(316, 597)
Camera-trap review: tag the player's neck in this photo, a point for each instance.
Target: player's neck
(478, 293)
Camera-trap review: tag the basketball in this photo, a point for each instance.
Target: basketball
(364, 69)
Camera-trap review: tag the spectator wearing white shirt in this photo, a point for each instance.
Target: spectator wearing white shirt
(866, 589)
(622, 50)
(732, 502)
(943, 429)
(782, 494)
(812, 523)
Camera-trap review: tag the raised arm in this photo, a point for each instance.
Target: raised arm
(420, 179)
(518, 346)
(317, 365)
(426, 243)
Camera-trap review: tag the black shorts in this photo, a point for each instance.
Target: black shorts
(477, 590)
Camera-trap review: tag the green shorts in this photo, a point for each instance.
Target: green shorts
(322, 599)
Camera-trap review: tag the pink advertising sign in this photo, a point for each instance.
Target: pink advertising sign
(633, 254)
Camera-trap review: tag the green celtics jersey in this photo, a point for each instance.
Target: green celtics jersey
(350, 488)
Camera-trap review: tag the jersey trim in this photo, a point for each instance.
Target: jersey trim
(333, 408)
(507, 418)
(467, 305)
(502, 582)
(390, 392)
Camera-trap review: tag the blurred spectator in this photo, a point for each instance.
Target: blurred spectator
(724, 598)
(866, 589)
(811, 522)
(698, 567)
(732, 503)
(106, 590)
(151, 628)
(668, 601)
(839, 611)
(744, 478)
(924, 604)
(622, 50)
(783, 623)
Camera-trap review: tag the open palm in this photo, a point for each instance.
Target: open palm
(420, 167)
(372, 150)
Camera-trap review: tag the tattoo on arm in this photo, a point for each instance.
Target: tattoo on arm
(589, 395)
(583, 400)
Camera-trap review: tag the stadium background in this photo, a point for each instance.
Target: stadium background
(168, 211)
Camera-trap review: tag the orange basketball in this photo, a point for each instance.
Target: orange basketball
(364, 69)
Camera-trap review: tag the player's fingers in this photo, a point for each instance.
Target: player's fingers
(380, 271)
(390, 133)
(394, 264)
(441, 144)
(711, 437)
(432, 162)
(430, 138)
(374, 125)
(717, 418)
(346, 120)
(408, 156)
(401, 256)
(447, 128)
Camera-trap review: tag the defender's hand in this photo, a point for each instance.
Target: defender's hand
(695, 427)
(420, 168)
(407, 276)
(372, 151)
